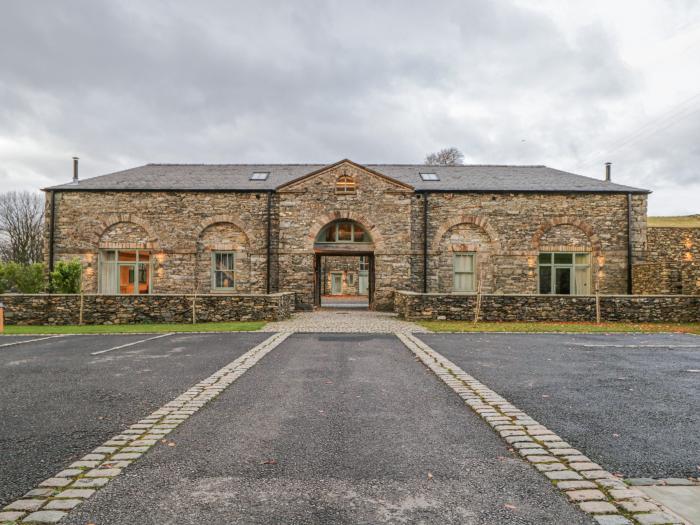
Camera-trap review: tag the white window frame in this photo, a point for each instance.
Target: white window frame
(214, 271)
(472, 256)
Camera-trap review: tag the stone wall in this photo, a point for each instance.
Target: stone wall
(672, 262)
(59, 309)
(551, 308)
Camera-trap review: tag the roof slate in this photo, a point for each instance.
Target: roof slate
(232, 177)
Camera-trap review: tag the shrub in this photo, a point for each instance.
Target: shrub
(21, 278)
(66, 277)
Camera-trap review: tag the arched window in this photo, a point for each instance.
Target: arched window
(343, 232)
(345, 184)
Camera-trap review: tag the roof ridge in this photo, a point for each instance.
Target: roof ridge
(361, 164)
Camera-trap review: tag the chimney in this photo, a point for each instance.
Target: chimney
(607, 171)
(75, 170)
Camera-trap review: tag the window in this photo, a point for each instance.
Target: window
(364, 263)
(223, 271)
(429, 176)
(343, 232)
(124, 272)
(565, 273)
(345, 185)
(260, 175)
(463, 272)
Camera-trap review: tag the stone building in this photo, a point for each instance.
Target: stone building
(349, 229)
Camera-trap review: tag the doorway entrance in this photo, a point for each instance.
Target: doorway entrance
(343, 280)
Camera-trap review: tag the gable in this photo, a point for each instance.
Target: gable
(328, 175)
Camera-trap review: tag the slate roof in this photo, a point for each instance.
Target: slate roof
(231, 177)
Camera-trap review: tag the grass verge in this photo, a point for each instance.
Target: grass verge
(467, 326)
(135, 328)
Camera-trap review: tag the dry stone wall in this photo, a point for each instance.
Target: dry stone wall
(672, 262)
(133, 309)
(548, 308)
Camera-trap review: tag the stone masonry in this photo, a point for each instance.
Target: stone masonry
(181, 228)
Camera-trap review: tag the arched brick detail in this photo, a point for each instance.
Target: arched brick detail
(218, 219)
(481, 222)
(377, 237)
(107, 221)
(568, 221)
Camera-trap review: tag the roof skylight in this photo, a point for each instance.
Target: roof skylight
(260, 175)
(429, 176)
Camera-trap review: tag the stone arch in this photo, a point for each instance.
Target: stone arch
(224, 218)
(480, 222)
(130, 231)
(227, 235)
(375, 234)
(583, 226)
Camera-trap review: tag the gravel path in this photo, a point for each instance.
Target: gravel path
(344, 321)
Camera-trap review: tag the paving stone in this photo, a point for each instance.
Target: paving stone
(564, 451)
(93, 457)
(55, 482)
(612, 519)
(39, 492)
(127, 455)
(105, 450)
(677, 482)
(567, 485)
(541, 459)
(76, 493)
(595, 474)
(548, 467)
(507, 433)
(526, 444)
(638, 505)
(519, 439)
(90, 482)
(44, 516)
(618, 494)
(585, 495)
(655, 518)
(62, 504)
(557, 444)
(103, 473)
(26, 504)
(563, 475)
(84, 464)
(144, 442)
(597, 507)
(575, 459)
(585, 466)
(10, 515)
(69, 473)
(612, 483)
(640, 481)
(534, 451)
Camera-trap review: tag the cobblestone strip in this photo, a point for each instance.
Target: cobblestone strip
(54, 497)
(608, 499)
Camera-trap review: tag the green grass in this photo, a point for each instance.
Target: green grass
(135, 328)
(681, 221)
(467, 326)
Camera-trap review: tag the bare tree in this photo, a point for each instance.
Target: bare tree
(21, 227)
(445, 157)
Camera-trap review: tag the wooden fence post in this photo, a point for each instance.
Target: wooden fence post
(194, 309)
(82, 306)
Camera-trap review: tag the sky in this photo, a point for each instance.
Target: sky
(567, 84)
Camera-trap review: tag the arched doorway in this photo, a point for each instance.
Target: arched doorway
(348, 247)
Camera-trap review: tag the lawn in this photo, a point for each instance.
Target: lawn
(468, 326)
(135, 328)
(681, 221)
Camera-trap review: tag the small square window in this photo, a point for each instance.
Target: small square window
(260, 175)
(429, 176)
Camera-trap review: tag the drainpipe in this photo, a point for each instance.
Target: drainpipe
(52, 222)
(269, 241)
(629, 244)
(425, 242)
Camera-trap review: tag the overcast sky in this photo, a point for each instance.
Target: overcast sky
(124, 83)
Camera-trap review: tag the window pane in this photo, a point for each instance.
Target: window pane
(127, 256)
(144, 256)
(464, 263)
(545, 258)
(330, 233)
(581, 258)
(224, 279)
(359, 233)
(563, 281)
(582, 282)
(144, 270)
(563, 258)
(109, 275)
(345, 231)
(545, 279)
